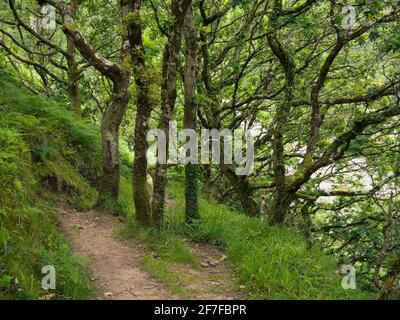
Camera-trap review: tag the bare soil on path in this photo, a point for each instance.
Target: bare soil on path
(115, 268)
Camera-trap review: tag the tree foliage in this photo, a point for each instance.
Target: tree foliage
(316, 82)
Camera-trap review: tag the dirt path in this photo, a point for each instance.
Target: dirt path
(115, 266)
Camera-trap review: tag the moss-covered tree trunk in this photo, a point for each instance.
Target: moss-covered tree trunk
(207, 180)
(168, 98)
(141, 192)
(113, 115)
(73, 72)
(243, 190)
(190, 117)
(282, 197)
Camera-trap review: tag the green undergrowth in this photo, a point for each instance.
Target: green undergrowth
(271, 262)
(45, 151)
(125, 206)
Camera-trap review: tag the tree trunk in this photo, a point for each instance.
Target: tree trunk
(73, 74)
(168, 102)
(113, 115)
(280, 207)
(207, 179)
(282, 199)
(168, 97)
(386, 287)
(141, 192)
(190, 117)
(242, 188)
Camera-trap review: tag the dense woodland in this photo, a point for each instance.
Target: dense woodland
(317, 82)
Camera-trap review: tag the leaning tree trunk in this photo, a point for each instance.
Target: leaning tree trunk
(120, 75)
(386, 287)
(190, 118)
(112, 118)
(280, 207)
(243, 190)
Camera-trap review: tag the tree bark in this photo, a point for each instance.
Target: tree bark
(168, 97)
(141, 192)
(280, 207)
(386, 287)
(207, 179)
(73, 73)
(242, 188)
(190, 117)
(113, 115)
(120, 76)
(282, 198)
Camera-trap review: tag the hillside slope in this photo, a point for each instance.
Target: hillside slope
(44, 152)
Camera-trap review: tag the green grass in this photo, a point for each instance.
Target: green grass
(166, 251)
(125, 205)
(176, 281)
(167, 246)
(44, 150)
(271, 262)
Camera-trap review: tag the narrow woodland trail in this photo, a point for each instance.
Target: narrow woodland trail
(115, 268)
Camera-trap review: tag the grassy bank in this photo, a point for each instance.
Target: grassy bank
(44, 152)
